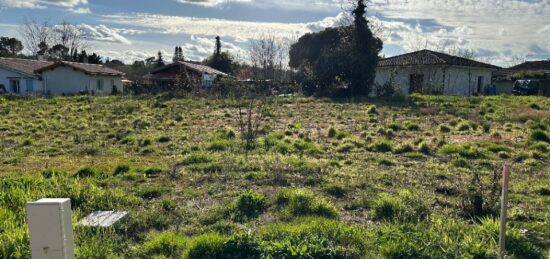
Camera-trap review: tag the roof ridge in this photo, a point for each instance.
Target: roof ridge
(436, 55)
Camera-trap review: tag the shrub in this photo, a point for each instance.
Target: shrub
(332, 132)
(539, 135)
(413, 127)
(387, 207)
(168, 205)
(164, 139)
(463, 150)
(88, 171)
(300, 202)
(372, 110)
(220, 145)
(383, 145)
(444, 129)
(121, 169)
(168, 244)
(196, 158)
(154, 171)
(463, 126)
(424, 148)
(208, 246)
(250, 204)
(393, 126)
(335, 190)
(243, 246)
(152, 192)
(403, 148)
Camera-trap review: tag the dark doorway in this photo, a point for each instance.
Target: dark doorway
(479, 84)
(416, 82)
(14, 86)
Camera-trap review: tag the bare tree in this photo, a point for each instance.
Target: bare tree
(35, 35)
(267, 56)
(69, 35)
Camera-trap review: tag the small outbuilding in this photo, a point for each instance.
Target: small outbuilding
(432, 72)
(73, 78)
(193, 73)
(18, 76)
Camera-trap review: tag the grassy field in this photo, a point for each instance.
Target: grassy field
(326, 179)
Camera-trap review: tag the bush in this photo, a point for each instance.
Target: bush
(250, 204)
(539, 135)
(387, 207)
(372, 110)
(383, 145)
(242, 246)
(393, 126)
(88, 171)
(424, 148)
(208, 246)
(300, 202)
(168, 244)
(463, 150)
(335, 190)
(444, 129)
(332, 132)
(152, 192)
(404, 148)
(121, 169)
(413, 127)
(463, 126)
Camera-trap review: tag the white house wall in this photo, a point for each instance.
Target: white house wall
(6, 75)
(66, 80)
(455, 80)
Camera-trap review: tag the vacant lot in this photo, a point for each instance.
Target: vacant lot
(325, 178)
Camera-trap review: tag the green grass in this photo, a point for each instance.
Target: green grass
(330, 178)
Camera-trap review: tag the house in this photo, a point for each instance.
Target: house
(18, 76)
(191, 72)
(72, 78)
(428, 71)
(505, 78)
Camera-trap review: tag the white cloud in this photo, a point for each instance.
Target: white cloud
(81, 10)
(104, 33)
(211, 3)
(41, 3)
(208, 26)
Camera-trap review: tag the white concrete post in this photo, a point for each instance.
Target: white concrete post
(50, 227)
(503, 211)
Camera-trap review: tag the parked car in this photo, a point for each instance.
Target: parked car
(526, 87)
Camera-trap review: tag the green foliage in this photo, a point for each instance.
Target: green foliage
(250, 204)
(301, 202)
(382, 145)
(208, 246)
(463, 150)
(168, 244)
(539, 135)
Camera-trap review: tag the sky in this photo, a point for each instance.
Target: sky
(501, 32)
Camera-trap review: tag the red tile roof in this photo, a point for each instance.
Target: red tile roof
(91, 69)
(428, 57)
(25, 66)
(192, 66)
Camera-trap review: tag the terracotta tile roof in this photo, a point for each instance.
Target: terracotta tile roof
(25, 66)
(428, 57)
(192, 66)
(91, 69)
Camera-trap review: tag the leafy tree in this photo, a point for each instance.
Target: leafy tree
(43, 48)
(178, 55)
(221, 61)
(160, 60)
(335, 57)
(94, 59)
(59, 52)
(365, 50)
(10, 47)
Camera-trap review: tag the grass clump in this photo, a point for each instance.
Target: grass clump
(382, 145)
(250, 204)
(168, 244)
(207, 246)
(539, 135)
(301, 202)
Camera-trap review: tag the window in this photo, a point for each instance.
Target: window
(30, 86)
(100, 84)
(14, 86)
